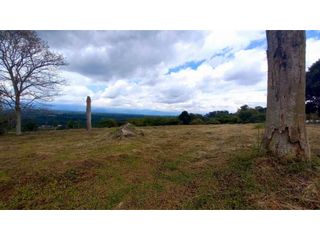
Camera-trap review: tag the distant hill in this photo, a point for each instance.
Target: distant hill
(80, 108)
(62, 117)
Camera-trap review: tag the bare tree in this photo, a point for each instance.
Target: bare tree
(285, 134)
(28, 71)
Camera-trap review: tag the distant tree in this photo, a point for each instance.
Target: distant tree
(70, 124)
(260, 109)
(244, 108)
(184, 117)
(30, 126)
(194, 116)
(197, 121)
(313, 88)
(217, 114)
(3, 121)
(109, 122)
(28, 70)
(245, 114)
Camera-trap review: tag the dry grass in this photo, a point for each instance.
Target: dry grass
(174, 167)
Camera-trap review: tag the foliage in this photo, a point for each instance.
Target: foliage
(30, 126)
(184, 117)
(251, 115)
(154, 121)
(313, 89)
(3, 124)
(73, 124)
(6, 120)
(197, 121)
(107, 122)
(217, 114)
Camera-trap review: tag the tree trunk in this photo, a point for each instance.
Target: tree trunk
(88, 113)
(285, 134)
(18, 120)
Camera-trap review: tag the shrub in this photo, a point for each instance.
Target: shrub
(184, 117)
(213, 121)
(108, 122)
(3, 129)
(30, 126)
(197, 121)
(60, 127)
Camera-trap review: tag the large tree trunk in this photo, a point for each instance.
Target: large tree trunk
(285, 134)
(18, 120)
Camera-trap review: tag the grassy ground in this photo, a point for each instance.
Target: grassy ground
(174, 167)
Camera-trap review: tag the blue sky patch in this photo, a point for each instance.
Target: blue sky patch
(191, 64)
(257, 43)
(313, 34)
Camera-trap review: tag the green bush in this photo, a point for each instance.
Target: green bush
(30, 126)
(185, 118)
(60, 127)
(154, 121)
(213, 121)
(3, 129)
(197, 121)
(108, 122)
(73, 124)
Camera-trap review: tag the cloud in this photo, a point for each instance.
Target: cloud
(107, 55)
(198, 71)
(248, 67)
(312, 50)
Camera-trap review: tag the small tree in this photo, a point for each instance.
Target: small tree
(184, 117)
(28, 70)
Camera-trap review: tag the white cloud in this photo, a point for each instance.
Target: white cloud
(312, 51)
(134, 75)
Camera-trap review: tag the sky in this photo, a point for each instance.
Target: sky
(165, 72)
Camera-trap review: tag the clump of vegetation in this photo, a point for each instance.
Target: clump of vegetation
(197, 121)
(6, 120)
(30, 126)
(107, 122)
(185, 118)
(313, 90)
(71, 124)
(154, 121)
(3, 122)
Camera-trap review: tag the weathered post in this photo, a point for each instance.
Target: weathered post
(285, 134)
(88, 113)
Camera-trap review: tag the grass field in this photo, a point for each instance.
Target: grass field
(173, 167)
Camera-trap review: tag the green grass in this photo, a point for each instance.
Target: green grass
(170, 167)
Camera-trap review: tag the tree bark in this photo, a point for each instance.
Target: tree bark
(88, 113)
(285, 134)
(18, 120)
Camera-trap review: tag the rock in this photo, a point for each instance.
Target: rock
(128, 130)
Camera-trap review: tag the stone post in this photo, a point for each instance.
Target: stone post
(88, 113)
